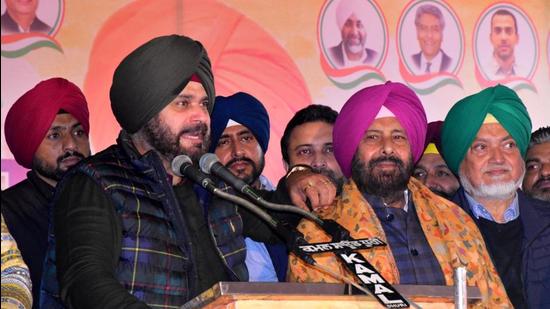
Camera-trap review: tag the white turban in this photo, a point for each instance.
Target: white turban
(348, 7)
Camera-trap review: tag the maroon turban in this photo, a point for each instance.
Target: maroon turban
(360, 111)
(433, 136)
(31, 116)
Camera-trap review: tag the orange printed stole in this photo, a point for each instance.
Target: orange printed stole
(451, 233)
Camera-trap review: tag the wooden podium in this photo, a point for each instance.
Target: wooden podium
(253, 295)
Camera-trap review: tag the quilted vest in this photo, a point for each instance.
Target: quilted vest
(155, 263)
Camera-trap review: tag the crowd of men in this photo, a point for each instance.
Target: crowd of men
(122, 228)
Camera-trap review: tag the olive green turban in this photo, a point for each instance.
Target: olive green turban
(466, 117)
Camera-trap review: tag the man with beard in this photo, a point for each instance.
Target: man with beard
(351, 17)
(240, 137)
(536, 182)
(431, 169)
(47, 131)
(484, 139)
(378, 136)
(134, 233)
(307, 140)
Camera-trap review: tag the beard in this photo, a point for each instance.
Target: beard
(496, 191)
(257, 169)
(337, 181)
(54, 172)
(354, 44)
(167, 143)
(538, 193)
(387, 185)
(354, 48)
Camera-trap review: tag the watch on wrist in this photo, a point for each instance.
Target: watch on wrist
(298, 168)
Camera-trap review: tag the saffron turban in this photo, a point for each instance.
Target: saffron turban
(242, 108)
(348, 7)
(433, 136)
(360, 111)
(466, 117)
(31, 116)
(153, 75)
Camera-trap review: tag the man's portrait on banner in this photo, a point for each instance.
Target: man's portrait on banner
(352, 33)
(505, 43)
(29, 16)
(430, 39)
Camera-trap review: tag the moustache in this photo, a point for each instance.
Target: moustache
(69, 154)
(392, 159)
(325, 171)
(493, 167)
(242, 159)
(198, 129)
(541, 180)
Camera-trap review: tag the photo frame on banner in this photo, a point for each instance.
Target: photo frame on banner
(353, 41)
(504, 34)
(430, 44)
(17, 41)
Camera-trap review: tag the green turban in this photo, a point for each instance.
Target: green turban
(466, 117)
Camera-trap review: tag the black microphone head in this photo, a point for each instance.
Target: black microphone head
(178, 162)
(207, 161)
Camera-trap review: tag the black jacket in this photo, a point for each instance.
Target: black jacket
(535, 272)
(25, 207)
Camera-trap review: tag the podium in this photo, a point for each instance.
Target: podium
(253, 295)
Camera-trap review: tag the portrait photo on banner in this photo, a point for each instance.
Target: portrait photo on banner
(430, 39)
(505, 44)
(352, 33)
(31, 16)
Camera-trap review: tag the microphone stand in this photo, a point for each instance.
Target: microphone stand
(374, 285)
(295, 240)
(292, 237)
(282, 207)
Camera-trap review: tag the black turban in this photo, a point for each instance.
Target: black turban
(153, 75)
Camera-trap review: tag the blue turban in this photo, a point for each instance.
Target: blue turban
(244, 109)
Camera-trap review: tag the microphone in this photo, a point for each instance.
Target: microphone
(210, 164)
(183, 166)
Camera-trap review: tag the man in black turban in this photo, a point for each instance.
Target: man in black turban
(130, 232)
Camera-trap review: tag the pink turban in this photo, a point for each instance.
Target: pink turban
(348, 7)
(360, 111)
(31, 116)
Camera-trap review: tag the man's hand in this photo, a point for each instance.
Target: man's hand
(304, 186)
